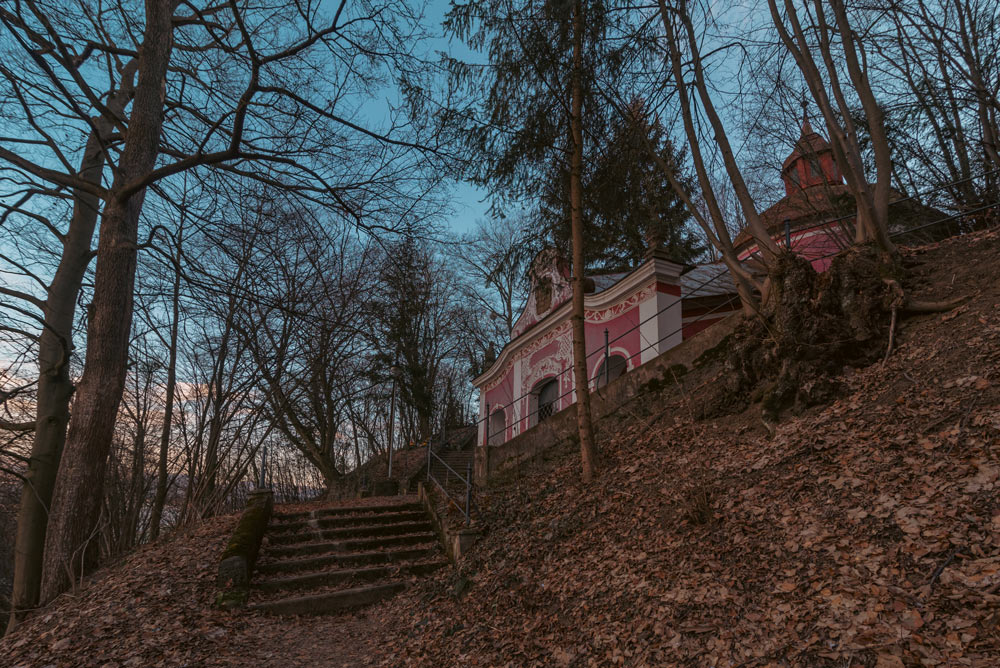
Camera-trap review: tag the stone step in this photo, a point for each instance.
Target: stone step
(343, 560)
(358, 544)
(447, 477)
(347, 521)
(341, 576)
(459, 463)
(347, 510)
(366, 531)
(317, 604)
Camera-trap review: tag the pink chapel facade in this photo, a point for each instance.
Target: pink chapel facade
(532, 378)
(655, 307)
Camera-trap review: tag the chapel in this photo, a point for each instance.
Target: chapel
(632, 317)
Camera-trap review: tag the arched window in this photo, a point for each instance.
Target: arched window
(815, 170)
(615, 366)
(544, 397)
(498, 428)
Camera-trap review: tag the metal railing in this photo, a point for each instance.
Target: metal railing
(544, 411)
(465, 482)
(964, 221)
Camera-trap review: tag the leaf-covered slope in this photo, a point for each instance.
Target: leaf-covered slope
(155, 609)
(863, 533)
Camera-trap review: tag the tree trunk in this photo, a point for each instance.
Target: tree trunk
(717, 232)
(160, 498)
(879, 230)
(189, 490)
(80, 481)
(871, 205)
(137, 486)
(357, 455)
(766, 245)
(55, 388)
(588, 449)
(985, 98)
(206, 488)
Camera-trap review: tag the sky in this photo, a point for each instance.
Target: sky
(469, 202)
(469, 206)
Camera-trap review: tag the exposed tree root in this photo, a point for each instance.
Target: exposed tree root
(899, 298)
(892, 334)
(813, 326)
(921, 306)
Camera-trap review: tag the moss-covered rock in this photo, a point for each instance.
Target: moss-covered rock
(232, 598)
(240, 556)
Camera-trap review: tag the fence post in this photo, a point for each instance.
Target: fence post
(607, 370)
(428, 460)
(468, 492)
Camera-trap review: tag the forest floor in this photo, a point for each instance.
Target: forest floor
(865, 532)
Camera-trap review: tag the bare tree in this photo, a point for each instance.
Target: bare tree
(943, 55)
(224, 117)
(170, 388)
(585, 428)
(416, 314)
(58, 309)
(682, 39)
(303, 330)
(831, 96)
(493, 261)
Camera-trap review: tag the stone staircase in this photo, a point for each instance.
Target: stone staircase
(337, 558)
(458, 460)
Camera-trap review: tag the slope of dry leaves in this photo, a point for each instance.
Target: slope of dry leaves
(862, 533)
(865, 533)
(155, 609)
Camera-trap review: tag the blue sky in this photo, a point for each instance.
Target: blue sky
(468, 201)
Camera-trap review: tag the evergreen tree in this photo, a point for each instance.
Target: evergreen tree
(417, 323)
(540, 103)
(628, 201)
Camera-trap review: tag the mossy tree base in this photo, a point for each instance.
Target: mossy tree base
(240, 556)
(813, 326)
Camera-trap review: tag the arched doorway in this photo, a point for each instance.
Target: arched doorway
(611, 369)
(545, 398)
(498, 428)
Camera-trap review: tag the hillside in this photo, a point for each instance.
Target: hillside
(861, 533)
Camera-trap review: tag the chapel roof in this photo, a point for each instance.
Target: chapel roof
(814, 187)
(604, 281)
(809, 143)
(707, 280)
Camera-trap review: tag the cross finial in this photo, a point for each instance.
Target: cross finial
(805, 116)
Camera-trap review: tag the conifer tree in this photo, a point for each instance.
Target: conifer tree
(629, 203)
(539, 104)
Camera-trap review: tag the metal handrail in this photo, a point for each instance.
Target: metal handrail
(467, 480)
(453, 471)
